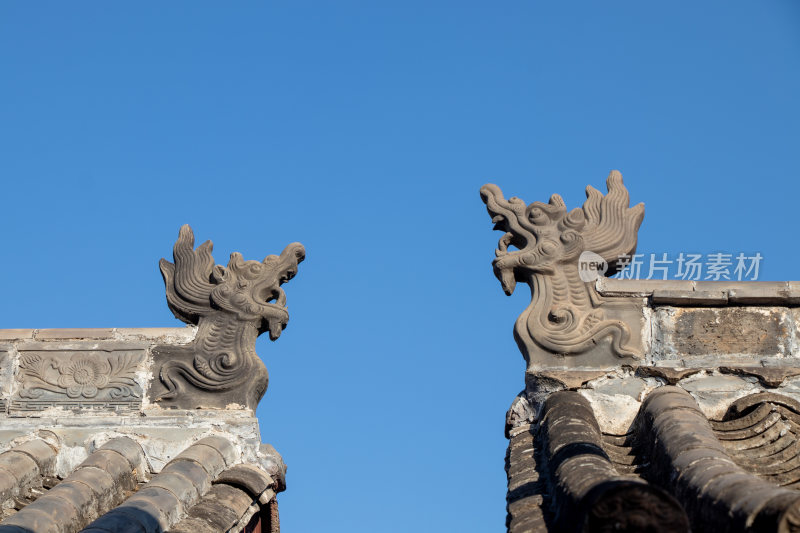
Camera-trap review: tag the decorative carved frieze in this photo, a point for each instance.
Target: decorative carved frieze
(231, 306)
(78, 379)
(23, 406)
(567, 316)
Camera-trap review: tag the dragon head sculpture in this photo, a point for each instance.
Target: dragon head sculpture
(541, 246)
(250, 290)
(231, 306)
(547, 236)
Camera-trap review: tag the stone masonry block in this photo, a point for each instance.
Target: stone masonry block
(15, 334)
(709, 336)
(93, 333)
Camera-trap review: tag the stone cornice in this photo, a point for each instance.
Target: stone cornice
(700, 293)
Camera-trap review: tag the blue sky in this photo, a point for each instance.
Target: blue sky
(364, 130)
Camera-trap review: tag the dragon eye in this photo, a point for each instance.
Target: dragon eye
(548, 247)
(537, 216)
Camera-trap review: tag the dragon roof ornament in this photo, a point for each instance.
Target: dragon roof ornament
(231, 307)
(567, 316)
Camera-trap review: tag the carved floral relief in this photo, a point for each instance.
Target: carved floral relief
(83, 374)
(78, 379)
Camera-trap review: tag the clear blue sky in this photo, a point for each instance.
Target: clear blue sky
(364, 130)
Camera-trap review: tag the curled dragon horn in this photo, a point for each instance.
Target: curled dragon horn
(187, 281)
(611, 226)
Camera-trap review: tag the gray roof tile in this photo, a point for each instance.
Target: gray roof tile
(184, 496)
(675, 468)
(203, 488)
(23, 468)
(248, 477)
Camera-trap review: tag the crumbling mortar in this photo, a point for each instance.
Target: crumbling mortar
(12, 385)
(792, 338)
(660, 334)
(144, 377)
(647, 334)
(537, 394)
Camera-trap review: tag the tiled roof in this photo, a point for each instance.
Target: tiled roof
(675, 468)
(201, 490)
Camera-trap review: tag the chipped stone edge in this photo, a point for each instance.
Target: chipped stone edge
(616, 412)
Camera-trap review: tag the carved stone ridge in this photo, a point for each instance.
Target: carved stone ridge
(231, 306)
(567, 316)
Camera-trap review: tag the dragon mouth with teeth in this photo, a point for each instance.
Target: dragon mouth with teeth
(251, 289)
(532, 230)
